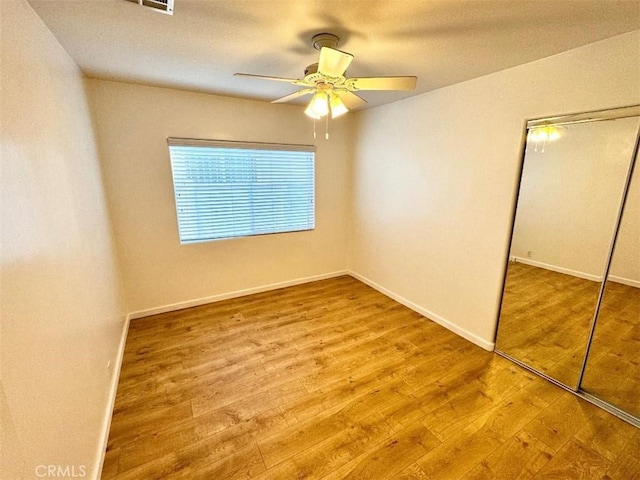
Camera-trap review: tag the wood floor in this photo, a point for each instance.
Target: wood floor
(334, 380)
(545, 322)
(613, 369)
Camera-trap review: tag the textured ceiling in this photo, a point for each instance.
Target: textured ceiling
(442, 42)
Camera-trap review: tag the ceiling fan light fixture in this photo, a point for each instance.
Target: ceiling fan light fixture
(338, 107)
(332, 93)
(319, 105)
(309, 113)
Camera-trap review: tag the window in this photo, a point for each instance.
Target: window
(236, 189)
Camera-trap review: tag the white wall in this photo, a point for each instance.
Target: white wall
(570, 197)
(133, 123)
(62, 316)
(625, 266)
(435, 177)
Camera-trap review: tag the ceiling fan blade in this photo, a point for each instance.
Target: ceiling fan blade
(294, 95)
(333, 63)
(264, 77)
(381, 83)
(350, 99)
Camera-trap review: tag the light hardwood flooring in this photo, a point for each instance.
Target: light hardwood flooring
(613, 369)
(334, 380)
(545, 322)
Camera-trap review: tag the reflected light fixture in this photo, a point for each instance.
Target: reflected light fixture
(543, 134)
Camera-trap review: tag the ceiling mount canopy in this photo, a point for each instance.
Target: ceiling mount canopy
(325, 40)
(333, 93)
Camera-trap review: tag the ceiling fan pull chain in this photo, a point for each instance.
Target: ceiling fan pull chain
(314, 128)
(326, 125)
(326, 128)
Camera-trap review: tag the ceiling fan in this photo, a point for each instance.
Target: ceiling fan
(332, 93)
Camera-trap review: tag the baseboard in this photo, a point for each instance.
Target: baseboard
(299, 281)
(587, 276)
(473, 338)
(106, 425)
(238, 293)
(554, 268)
(625, 281)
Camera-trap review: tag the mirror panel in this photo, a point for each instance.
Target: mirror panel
(572, 183)
(613, 366)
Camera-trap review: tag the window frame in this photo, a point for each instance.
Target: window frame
(249, 146)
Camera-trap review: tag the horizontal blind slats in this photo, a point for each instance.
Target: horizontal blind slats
(225, 190)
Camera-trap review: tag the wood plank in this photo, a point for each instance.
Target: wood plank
(388, 458)
(327, 456)
(560, 421)
(323, 425)
(110, 467)
(627, 464)
(574, 461)
(519, 458)
(412, 472)
(607, 435)
(460, 453)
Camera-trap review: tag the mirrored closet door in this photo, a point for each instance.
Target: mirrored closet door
(575, 225)
(612, 370)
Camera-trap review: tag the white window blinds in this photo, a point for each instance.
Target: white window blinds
(235, 189)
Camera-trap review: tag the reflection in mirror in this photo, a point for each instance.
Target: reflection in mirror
(567, 209)
(613, 366)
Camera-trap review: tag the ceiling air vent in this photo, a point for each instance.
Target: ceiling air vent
(164, 6)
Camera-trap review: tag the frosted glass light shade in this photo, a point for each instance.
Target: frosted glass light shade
(319, 105)
(337, 105)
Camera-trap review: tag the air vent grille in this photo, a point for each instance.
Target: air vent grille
(164, 6)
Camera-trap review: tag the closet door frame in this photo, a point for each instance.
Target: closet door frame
(592, 398)
(583, 117)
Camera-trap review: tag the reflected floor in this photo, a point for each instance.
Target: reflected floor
(613, 369)
(545, 320)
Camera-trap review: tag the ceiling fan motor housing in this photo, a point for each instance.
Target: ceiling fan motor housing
(311, 69)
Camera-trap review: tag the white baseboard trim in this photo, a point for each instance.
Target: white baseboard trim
(473, 338)
(554, 268)
(625, 281)
(238, 293)
(113, 388)
(587, 276)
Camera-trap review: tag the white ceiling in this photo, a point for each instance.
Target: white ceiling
(442, 42)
